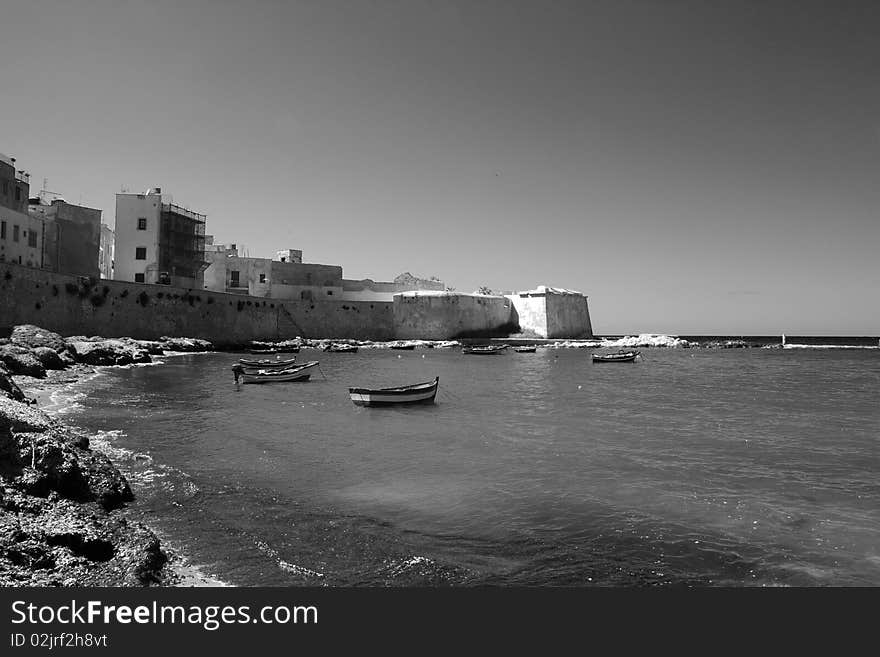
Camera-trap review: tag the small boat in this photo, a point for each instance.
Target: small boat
(418, 393)
(267, 364)
(402, 345)
(486, 349)
(299, 373)
(342, 348)
(525, 349)
(619, 357)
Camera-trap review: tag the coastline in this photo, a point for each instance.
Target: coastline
(49, 393)
(65, 507)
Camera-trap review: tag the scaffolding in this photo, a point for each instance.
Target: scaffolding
(181, 242)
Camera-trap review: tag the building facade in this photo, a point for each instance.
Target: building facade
(277, 279)
(21, 236)
(157, 241)
(72, 235)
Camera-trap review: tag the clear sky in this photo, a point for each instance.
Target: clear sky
(693, 167)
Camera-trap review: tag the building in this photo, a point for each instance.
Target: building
(285, 277)
(21, 236)
(158, 241)
(72, 235)
(105, 255)
(289, 255)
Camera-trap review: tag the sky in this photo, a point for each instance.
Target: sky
(693, 167)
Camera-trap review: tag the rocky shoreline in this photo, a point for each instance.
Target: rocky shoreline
(63, 517)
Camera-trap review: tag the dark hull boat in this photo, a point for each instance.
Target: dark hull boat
(486, 351)
(419, 393)
(525, 350)
(403, 346)
(619, 357)
(298, 373)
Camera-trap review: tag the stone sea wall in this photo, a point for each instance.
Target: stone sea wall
(448, 316)
(71, 305)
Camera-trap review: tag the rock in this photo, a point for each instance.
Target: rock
(21, 360)
(8, 387)
(30, 336)
(185, 344)
(21, 418)
(108, 352)
(70, 544)
(152, 347)
(50, 358)
(44, 457)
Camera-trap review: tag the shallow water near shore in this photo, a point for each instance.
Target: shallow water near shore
(704, 467)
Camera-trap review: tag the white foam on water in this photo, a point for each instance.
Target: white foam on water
(642, 340)
(66, 399)
(271, 552)
(298, 570)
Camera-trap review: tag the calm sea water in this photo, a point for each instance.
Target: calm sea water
(703, 467)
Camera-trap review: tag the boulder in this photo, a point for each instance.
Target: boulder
(21, 418)
(185, 344)
(30, 336)
(21, 360)
(64, 543)
(8, 387)
(50, 358)
(108, 352)
(152, 347)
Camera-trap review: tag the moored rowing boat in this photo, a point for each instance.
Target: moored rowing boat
(266, 364)
(619, 357)
(484, 350)
(298, 373)
(418, 393)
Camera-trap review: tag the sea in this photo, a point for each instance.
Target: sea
(688, 467)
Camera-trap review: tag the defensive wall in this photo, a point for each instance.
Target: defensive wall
(450, 315)
(72, 305)
(552, 313)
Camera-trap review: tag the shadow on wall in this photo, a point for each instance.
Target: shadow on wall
(502, 331)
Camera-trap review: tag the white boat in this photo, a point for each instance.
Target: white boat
(266, 364)
(418, 393)
(298, 373)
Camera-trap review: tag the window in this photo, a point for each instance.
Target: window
(140, 253)
(32, 239)
(17, 193)
(138, 278)
(233, 278)
(262, 278)
(283, 259)
(142, 223)
(14, 233)
(329, 293)
(2, 230)
(5, 188)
